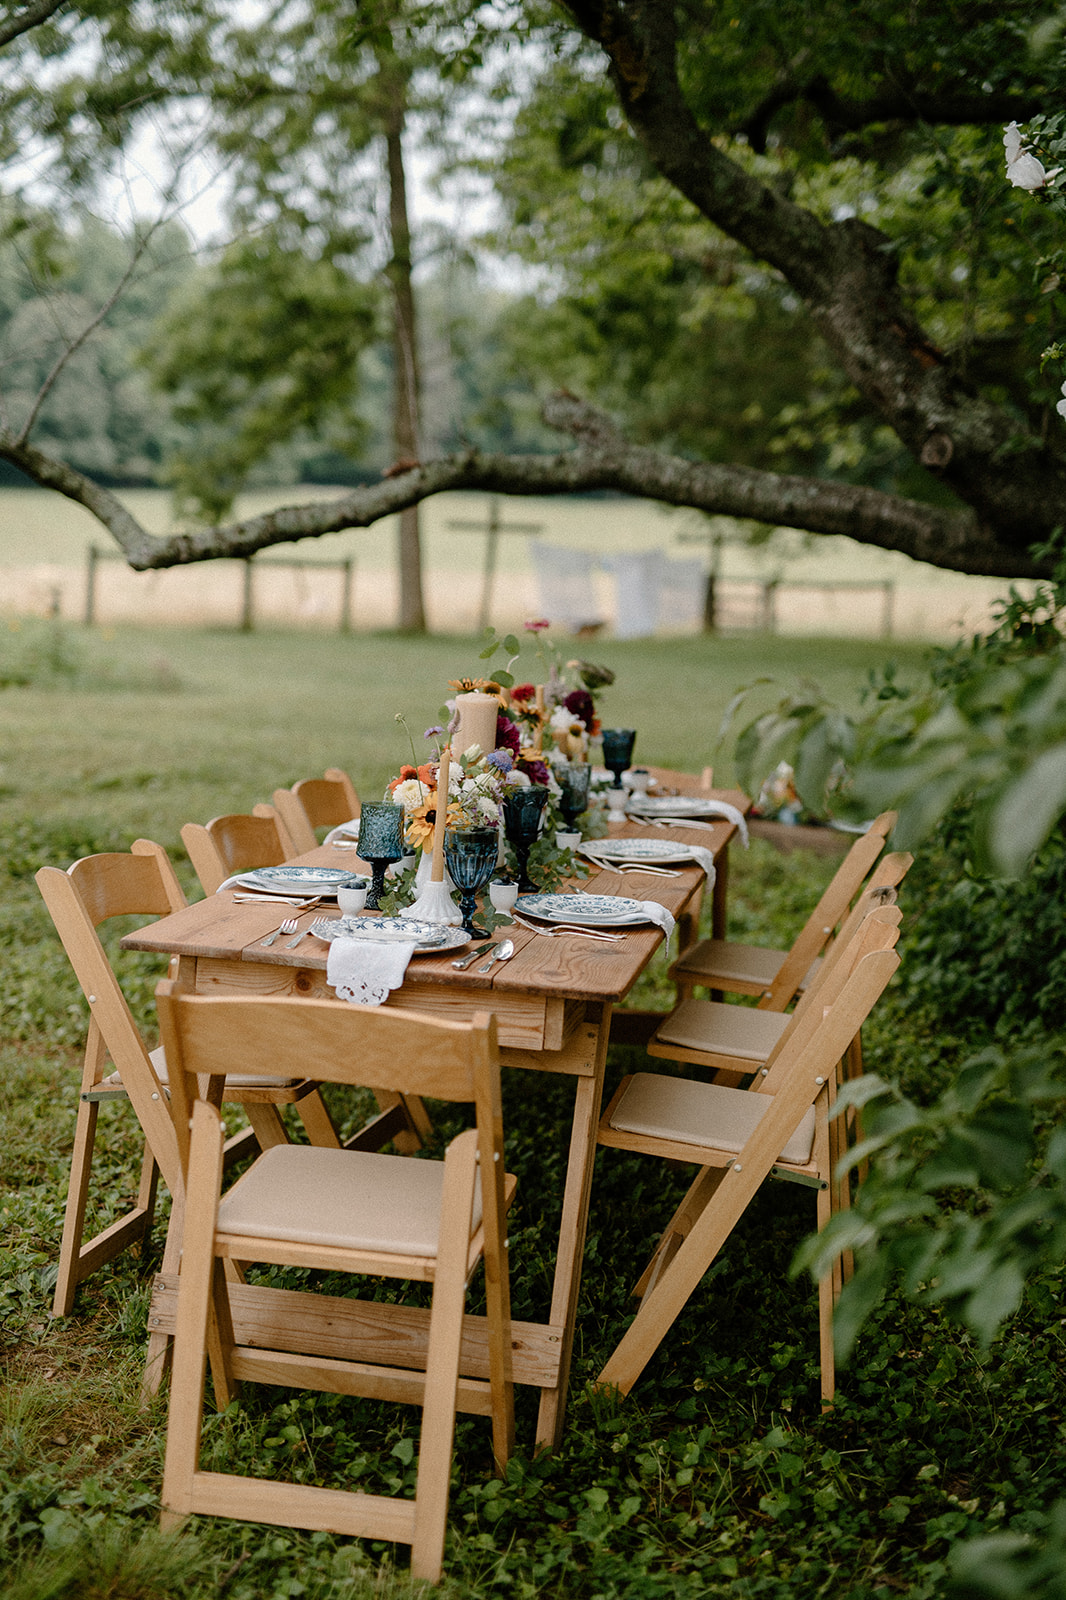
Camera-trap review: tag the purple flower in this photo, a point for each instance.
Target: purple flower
(502, 760)
(579, 703)
(431, 733)
(507, 735)
(536, 771)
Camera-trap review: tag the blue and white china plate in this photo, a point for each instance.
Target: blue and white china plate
(295, 880)
(430, 937)
(650, 850)
(673, 805)
(594, 910)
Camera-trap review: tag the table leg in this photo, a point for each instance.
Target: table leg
(720, 894)
(573, 1226)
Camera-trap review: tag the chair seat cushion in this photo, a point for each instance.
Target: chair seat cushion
(705, 1114)
(341, 1198)
(711, 1025)
(738, 963)
(716, 963)
(234, 1080)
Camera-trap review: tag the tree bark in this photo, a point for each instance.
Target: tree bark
(602, 459)
(406, 385)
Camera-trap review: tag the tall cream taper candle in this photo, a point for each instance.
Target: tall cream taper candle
(437, 875)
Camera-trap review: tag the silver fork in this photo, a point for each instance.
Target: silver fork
(632, 866)
(288, 926)
(557, 932)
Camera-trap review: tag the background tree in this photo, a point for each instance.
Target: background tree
(824, 147)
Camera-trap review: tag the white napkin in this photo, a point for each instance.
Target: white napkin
(659, 915)
(344, 830)
(705, 859)
(716, 808)
(365, 971)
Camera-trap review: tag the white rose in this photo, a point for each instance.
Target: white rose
(1026, 173)
(1012, 142)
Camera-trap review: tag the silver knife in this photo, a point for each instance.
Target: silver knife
(468, 960)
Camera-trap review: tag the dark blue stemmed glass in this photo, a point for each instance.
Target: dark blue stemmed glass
(522, 812)
(470, 856)
(573, 780)
(381, 827)
(618, 755)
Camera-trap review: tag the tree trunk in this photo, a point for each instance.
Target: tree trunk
(406, 430)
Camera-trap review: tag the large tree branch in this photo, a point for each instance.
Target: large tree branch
(846, 275)
(953, 108)
(602, 459)
(29, 16)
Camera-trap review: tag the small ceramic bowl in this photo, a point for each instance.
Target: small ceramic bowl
(637, 779)
(352, 897)
(503, 895)
(565, 840)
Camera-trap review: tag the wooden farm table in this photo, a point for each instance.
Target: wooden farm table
(553, 1002)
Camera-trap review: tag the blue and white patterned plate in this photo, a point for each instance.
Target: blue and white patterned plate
(295, 880)
(659, 851)
(430, 937)
(673, 805)
(594, 910)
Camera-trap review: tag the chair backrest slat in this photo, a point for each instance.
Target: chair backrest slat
(237, 842)
(313, 803)
(384, 1048)
(831, 908)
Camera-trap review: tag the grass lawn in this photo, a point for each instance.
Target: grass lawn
(719, 1475)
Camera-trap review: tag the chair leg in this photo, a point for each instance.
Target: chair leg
(696, 1196)
(266, 1121)
(157, 1356)
(314, 1114)
(442, 1368)
(194, 1311)
(829, 1286)
(74, 1216)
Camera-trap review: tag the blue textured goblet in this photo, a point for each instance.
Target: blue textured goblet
(522, 811)
(617, 755)
(573, 780)
(470, 856)
(380, 841)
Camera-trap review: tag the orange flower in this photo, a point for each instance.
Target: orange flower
(420, 827)
(474, 685)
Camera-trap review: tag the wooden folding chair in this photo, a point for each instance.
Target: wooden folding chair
(732, 1042)
(339, 1210)
(313, 803)
(777, 976)
(738, 1138)
(92, 891)
(239, 842)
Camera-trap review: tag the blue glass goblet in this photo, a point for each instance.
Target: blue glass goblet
(573, 780)
(618, 755)
(470, 856)
(522, 813)
(381, 827)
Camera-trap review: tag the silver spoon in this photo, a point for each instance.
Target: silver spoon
(502, 952)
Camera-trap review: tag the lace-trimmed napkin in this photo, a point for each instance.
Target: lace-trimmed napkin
(366, 971)
(705, 859)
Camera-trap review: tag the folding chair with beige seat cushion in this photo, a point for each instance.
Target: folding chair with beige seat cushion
(738, 1138)
(341, 1210)
(777, 976)
(734, 1041)
(93, 890)
(324, 802)
(238, 842)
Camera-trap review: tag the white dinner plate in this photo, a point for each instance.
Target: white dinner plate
(591, 910)
(673, 805)
(323, 881)
(654, 851)
(431, 938)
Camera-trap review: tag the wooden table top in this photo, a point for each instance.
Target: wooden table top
(222, 928)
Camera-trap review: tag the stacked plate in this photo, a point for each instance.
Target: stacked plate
(588, 910)
(321, 881)
(652, 852)
(429, 937)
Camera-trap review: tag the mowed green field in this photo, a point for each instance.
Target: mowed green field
(163, 726)
(44, 540)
